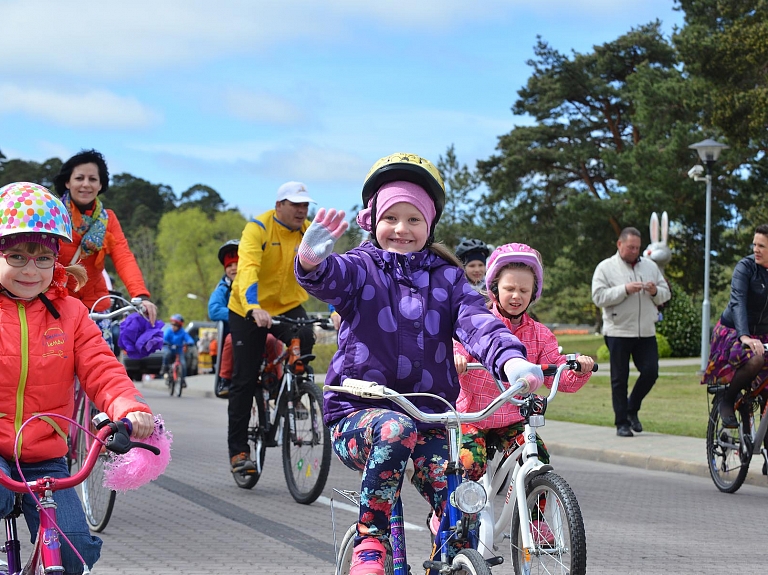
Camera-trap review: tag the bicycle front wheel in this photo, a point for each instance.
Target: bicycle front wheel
(728, 456)
(177, 379)
(98, 501)
(470, 562)
(557, 528)
(307, 453)
(258, 448)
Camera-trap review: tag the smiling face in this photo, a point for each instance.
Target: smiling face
(515, 290)
(402, 229)
(231, 270)
(760, 249)
(29, 281)
(84, 184)
(475, 271)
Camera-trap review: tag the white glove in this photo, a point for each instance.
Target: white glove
(318, 241)
(531, 373)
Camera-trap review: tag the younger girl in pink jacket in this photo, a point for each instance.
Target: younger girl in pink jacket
(515, 279)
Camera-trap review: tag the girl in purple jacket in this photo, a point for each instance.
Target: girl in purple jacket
(401, 298)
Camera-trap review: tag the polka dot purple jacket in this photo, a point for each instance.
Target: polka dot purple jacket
(399, 314)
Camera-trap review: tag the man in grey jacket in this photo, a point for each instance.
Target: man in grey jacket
(629, 288)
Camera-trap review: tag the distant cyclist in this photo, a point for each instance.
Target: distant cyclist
(473, 254)
(218, 311)
(175, 342)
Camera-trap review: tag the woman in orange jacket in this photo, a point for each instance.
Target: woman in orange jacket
(96, 232)
(48, 340)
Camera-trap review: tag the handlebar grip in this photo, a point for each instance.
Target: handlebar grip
(358, 387)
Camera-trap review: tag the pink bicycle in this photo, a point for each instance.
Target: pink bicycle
(46, 555)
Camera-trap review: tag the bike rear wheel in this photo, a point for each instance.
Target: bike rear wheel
(98, 501)
(307, 455)
(258, 449)
(551, 502)
(729, 450)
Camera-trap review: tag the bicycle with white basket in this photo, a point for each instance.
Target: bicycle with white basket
(564, 553)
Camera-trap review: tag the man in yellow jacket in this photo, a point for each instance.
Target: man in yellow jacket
(265, 286)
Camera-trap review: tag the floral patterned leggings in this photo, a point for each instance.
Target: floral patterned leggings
(378, 443)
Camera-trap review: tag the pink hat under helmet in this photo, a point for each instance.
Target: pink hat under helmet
(515, 253)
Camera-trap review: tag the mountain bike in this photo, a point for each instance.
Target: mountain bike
(540, 514)
(46, 554)
(98, 501)
(293, 405)
(730, 450)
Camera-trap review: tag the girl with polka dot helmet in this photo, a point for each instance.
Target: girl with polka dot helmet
(27, 208)
(401, 298)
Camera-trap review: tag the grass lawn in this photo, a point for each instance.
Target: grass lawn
(584, 344)
(677, 404)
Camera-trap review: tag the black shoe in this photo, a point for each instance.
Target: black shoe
(183, 383)
(624, 431)
(727, 414)
(634, 423)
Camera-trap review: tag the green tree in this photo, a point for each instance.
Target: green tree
(28, 171)
(189, 242)
(458, 220)
(203, 197)
(137, 202)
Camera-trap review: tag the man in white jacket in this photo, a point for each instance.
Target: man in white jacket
(629, 288)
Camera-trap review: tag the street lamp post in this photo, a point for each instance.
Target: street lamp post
(708, 150)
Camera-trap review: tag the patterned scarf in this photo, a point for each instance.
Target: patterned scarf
(92, 228)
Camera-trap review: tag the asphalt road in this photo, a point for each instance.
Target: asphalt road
(194, 519)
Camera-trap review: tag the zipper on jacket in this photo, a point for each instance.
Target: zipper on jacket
(24, 347)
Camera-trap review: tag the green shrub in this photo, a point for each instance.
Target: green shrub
(665, 349)
(323, 355)
(681, 324)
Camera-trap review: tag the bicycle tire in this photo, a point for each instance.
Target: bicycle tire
(470, 562)
(258, 449)
(727, 458)
(171, 380)
(562, 515)
(307, 460)
(344, 559)
(177, 378)
(98, 501)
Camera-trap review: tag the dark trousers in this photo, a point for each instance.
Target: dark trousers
(248, 342)
(645, 355)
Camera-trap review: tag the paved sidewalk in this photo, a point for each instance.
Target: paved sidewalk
(646, 450)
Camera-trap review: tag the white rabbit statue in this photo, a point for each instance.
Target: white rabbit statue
(658, 250)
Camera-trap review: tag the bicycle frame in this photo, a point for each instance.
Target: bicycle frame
(46, 554)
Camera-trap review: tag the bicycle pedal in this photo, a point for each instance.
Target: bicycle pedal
(494, 561)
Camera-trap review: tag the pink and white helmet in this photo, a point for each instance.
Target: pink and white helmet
(30, 208)
(515, 253)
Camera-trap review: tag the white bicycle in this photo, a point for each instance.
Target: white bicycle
(540, 514)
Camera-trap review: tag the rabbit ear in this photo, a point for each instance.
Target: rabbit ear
(664, 227)
(654, 228)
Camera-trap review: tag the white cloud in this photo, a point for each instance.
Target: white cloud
(94, 108)
(313, 164)
(85, 38)
(261, 107)
(218, 152)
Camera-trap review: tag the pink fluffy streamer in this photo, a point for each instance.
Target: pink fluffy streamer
(138, 467)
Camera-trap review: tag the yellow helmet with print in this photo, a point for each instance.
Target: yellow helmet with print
(410, 168)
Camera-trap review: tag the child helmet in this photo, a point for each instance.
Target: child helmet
(410, 168)
(227, 248)
(30, 208)
(177, 318)
(468, 246)
(515, 253)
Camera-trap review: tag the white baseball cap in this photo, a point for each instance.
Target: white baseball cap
(295, 192)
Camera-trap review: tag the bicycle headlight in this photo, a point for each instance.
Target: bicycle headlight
(469, 497)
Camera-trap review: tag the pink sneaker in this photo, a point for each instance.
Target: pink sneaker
(542, 534)
(368, 558)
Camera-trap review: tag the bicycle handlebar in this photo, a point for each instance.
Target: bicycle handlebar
(372, 390)
(323, 322)
(114, 436)
(131, 306)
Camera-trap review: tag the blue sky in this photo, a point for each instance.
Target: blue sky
(243, 95)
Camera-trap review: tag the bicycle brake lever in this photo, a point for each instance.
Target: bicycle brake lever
(152, 448)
